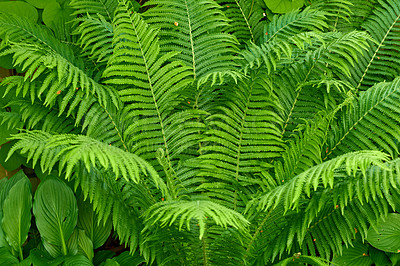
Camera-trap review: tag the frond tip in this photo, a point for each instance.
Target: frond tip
(201, 210)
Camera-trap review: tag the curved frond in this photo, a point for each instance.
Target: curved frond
(152, 81)
(103, 8)
(201, 210)
(39, 53)
(194, 28)
(371, 123)
(322, 174)
(381, 62)
(245, 19)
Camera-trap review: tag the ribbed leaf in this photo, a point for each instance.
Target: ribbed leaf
(17, 214)
(97, 231)
(56, 212)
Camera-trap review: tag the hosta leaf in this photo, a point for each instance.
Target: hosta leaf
(77, 260)
(354, 256)
(85, 245)
(6, 258)
(56, 212)
(40, 257)
(126, 259)
(17, 214)
(96, 230)
(387, 236)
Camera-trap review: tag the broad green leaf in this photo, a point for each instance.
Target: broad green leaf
(5, 132)
(387, 236)
(56, 15)
(6, 258)
(20, 9)
(110, 262)
(354, 256)
(17, 214)
(102, 256)
(53, 250)
(378, 256)
(6, 61)
(39, 3)
(97, 231)
(85, 245)
(125, 259)
(40, 257)
(14, 161)
(56, 212)
(3, 241)
(77, 260)
(283, 6)
(7, 184)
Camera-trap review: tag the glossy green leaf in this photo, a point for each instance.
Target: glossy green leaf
(97, 230)
(126, 259)
(5, 132)
(354, 256)
(102, 255)
(85, 245)
(56, 15)
(283, 6)
(77, 260)
(20, 9)
(14, 161)
(39, 3)
(3, 241)
(6, 258)
(40, 257)
(378, 257)
(56, 212)
(17, 214)
(7, 184)
(387, 236)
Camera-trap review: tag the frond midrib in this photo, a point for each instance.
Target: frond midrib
(358, 121)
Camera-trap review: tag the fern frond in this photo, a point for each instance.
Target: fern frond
(103, 8)
(381, 62)
(244, 137)
(69, 150)
(194, 29)
(168, 212)
(333, 56)
(38, 52)
(292, 191)
(156, 81)
(95, 37)
(371, 123)
(245, 19)
(295, 22)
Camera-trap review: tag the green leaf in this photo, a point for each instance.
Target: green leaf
(379, 257)
(354, 256)
(6, 258)
(56, 15)
(283, 6)
(56, 212)
(3, 241)
(387, 236)
(40, 257)
(97, 231)
(20, 9)
(77, 260)
(5, 132)
(17, 214)
(102, 256)
(40, 3)
(85, 245)
(126, 259)
(14, 161)
(7, 184)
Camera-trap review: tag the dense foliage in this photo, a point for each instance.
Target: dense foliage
(202, 132)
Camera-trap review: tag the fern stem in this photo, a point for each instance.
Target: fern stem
(246, 19)
(253, 238)
(204, 249)
(356, 123)
(376, 51)
(191, 39)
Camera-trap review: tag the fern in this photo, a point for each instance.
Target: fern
(370, 123)
(194, 28)
(381, 61)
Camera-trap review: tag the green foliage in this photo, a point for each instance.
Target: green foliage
(201, 132)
